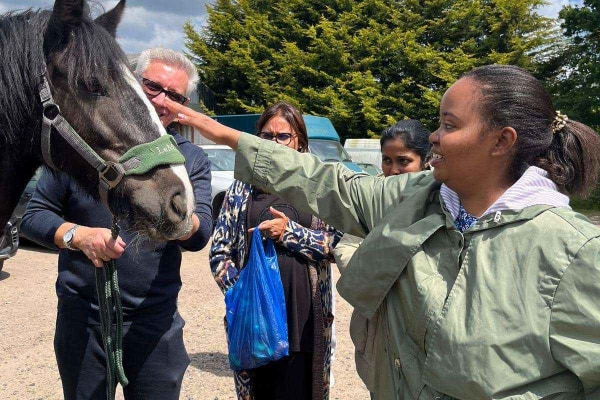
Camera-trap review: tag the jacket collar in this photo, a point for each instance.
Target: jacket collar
(532, 189)
(388, 248)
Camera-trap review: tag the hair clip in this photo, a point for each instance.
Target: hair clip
(559, 122)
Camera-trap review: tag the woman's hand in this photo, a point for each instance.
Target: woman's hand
(208, 127)
(273, 228)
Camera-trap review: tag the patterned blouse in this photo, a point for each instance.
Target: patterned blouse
(227, 255)
(464, 220)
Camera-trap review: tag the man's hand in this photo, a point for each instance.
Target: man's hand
(273, 228)
(98, 245)
(195, 227)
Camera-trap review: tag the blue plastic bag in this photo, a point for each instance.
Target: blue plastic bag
(256, 315)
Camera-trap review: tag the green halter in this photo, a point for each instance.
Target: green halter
(162, 151)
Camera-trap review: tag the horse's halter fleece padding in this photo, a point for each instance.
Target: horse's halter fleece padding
(162, 151)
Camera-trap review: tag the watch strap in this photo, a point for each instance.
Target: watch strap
(67, 243)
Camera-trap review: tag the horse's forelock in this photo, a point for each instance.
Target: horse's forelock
(92, 53)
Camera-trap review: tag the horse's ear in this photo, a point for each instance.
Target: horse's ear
(110, 19)
(66, 15)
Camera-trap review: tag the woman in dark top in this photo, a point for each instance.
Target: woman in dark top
(303, 245)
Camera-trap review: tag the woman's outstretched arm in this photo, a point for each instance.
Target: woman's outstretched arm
(351, 202)
(208, 127)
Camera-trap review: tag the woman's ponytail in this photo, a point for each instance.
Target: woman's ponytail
(573, 158)
(568, 150)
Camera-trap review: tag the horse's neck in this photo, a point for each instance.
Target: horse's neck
(19, 159)
(21, 60)
(21, 63)
(14, 176)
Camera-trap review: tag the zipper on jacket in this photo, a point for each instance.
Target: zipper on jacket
(497, 216)
(460, 244)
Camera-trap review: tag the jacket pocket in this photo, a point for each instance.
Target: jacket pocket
(405, 359)
(363, 333)
(410, 366)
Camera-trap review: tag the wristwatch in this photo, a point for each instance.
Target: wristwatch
(68, 238)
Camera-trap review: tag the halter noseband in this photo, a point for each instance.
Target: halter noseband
(136, 161)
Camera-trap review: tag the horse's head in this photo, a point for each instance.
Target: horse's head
(99, 96)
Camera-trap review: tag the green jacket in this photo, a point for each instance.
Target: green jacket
(508, 310)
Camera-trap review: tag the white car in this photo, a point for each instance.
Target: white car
(222, 163)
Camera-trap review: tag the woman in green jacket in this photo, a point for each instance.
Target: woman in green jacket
(404, 148)
(479, 280)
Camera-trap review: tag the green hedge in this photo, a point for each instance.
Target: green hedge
(590, 203)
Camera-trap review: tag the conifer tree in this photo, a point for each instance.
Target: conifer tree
(575, 68)
(364, 64)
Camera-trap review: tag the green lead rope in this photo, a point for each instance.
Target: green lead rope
(109, 299)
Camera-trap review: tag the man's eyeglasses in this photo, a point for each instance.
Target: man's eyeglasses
(153, 89)
(281, 138)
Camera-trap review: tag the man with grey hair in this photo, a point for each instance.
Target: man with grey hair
(59, 216)
(164, 71)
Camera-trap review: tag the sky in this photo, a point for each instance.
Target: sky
(149, 23)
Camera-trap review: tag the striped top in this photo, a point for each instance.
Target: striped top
(533, 188)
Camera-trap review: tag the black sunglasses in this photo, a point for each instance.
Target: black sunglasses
(281, 138)
(153, 89)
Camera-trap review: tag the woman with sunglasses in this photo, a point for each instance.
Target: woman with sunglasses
(479, 279)
(303, 245)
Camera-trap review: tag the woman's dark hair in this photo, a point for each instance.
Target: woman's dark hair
(293, 117)
(412, 133)
(512, 97)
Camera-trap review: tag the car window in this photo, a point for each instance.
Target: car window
(221, 159)
(369, 168)
(328, 150)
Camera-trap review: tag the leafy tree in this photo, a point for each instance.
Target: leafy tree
(575, 68)
(364, 64)
(572, 72)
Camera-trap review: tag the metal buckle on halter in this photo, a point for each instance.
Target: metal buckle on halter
(111, 175)
(51, 110)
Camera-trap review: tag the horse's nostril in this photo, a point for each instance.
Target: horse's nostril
(177, 207)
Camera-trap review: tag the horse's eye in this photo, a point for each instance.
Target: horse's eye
(93, 87)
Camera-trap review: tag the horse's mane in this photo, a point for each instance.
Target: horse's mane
(21, 59)
(88, 56)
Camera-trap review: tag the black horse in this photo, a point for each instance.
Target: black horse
(97, 93)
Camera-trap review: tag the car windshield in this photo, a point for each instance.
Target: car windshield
(328, 150)
(369, 168)
(221, 159)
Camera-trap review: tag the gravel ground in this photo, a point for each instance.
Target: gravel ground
(28, 311)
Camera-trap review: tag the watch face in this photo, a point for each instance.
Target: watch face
(68, 236)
